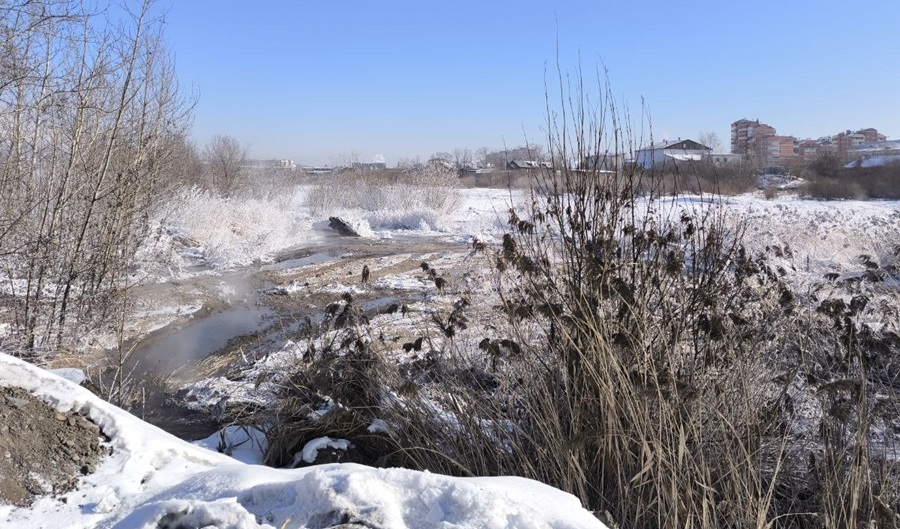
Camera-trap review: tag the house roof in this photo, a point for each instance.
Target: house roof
(680, 145)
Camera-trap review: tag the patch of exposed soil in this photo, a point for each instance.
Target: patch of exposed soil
(42, 451)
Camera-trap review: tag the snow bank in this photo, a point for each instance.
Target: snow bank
(153, 479)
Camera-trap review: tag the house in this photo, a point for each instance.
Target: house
(521, 165)
(668, 153)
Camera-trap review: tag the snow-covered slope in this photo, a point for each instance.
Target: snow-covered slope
(152, 479)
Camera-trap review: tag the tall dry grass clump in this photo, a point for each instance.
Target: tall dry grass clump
(667, 379)
(645, 387)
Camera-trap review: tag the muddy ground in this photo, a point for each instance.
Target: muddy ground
(42, 451)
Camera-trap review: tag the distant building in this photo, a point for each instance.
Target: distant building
(809, 149)
(670, 153)
(880, 153)
(872, 135)
(779, 147)
(319, 170)
(369, 166)
(747, 137)
(262, 165)
(521, 165)
(844, 142)
(284, 164)
(602, 162)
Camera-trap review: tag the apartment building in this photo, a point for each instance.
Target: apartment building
(747, 137)
(780, 147)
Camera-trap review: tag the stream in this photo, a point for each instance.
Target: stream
(246, 310)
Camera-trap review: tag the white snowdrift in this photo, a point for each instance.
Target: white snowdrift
(152, 476)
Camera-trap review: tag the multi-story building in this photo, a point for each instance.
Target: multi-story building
(747, 137)
(872, 135)
(779, 147)
(844, 142)
(809, 149)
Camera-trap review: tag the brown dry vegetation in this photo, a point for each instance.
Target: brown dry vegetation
(642, 359)
(831, 181)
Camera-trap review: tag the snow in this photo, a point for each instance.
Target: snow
(823, 237)
(310, 450)
(71, 374)
(152, 479)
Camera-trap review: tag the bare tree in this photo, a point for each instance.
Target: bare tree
(462, 158)
(481, 156)
(529, 152)
(91, 114)
(224, 157)
(409, 164)
(345, 160)
(711, 140)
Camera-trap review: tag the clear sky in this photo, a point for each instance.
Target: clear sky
(313, 80)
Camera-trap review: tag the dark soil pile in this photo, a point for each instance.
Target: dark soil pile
(42, 451)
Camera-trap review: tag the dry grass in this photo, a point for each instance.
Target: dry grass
(647, 364)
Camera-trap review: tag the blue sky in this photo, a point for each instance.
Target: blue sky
(313, 80)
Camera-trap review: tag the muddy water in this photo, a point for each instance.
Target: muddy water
(184, 347)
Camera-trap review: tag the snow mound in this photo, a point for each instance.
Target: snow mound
(152, 479)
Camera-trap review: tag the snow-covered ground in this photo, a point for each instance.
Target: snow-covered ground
(151, 475)
(152, 479)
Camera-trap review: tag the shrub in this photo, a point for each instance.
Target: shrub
(709, 178)
(878, 182)
(827, 165)
(833, 189)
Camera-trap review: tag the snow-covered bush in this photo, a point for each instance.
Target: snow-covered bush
(229, 232)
